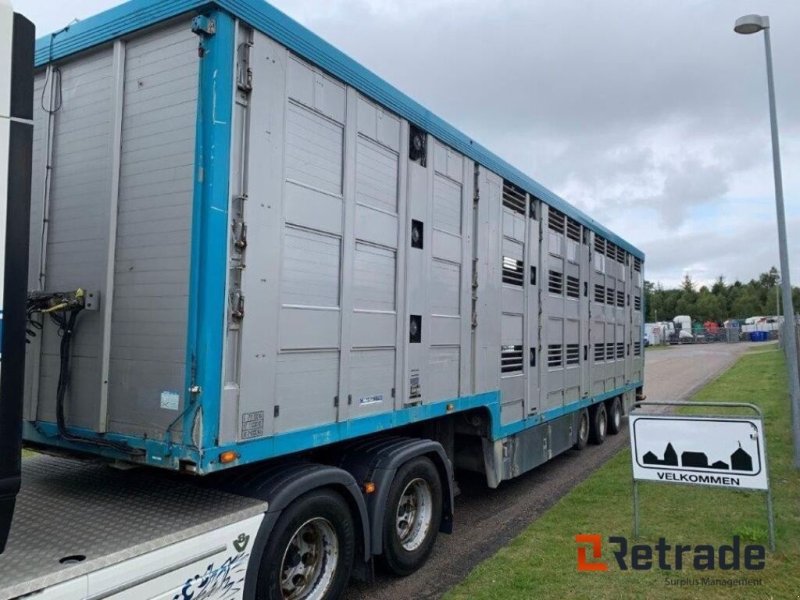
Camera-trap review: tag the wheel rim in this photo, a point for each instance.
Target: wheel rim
(584, 430)
(310, 561)
(414, 514)
(617, 415)
(601, 426)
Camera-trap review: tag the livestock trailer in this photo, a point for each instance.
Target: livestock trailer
(246, 246)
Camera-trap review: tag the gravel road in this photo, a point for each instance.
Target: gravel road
(486, 519)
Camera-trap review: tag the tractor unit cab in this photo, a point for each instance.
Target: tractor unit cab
(17, 38)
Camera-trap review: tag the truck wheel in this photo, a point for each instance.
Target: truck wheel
(413, 513)
(614, 416)
(310, 553)
(583, 430)
(599, 421)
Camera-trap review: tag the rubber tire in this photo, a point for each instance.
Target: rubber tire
(319, 503)
(599, 424)
(581, 442)
(614, 409)
(396, 559)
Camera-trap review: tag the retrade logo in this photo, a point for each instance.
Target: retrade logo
(596, 542)
(668, 557)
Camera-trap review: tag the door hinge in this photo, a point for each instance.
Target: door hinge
(244, 74)
(237, 305)
(239, 235)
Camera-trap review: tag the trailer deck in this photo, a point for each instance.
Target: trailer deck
(71, 508)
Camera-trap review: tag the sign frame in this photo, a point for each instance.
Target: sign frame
(701, 474)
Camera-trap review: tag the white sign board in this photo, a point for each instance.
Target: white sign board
(711, 451)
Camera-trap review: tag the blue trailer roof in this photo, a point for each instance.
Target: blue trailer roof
(138, 14)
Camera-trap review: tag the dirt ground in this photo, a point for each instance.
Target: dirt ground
(488, 519)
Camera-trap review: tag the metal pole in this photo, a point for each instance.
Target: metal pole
(790, 343)
(635, 510)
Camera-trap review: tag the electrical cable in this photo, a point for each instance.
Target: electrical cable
(64, 313)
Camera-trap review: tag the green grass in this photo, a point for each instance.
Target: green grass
(541, 562)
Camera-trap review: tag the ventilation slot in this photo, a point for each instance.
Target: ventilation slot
(573, 230)
(573, 287)
(637, 348)
(621, 299)
(620, 350)
(637, 303)
(573, 354)
(599, 353)
(511, 359)
(556, 220)
(610, 351)
(534, 210)
(620, 255)
(555, 283)
(599, 244)
(599, 293)
(514, 198)
(637, 264)
(512, 271)
(609, 296)
(418, 143)
(611, 251)
(555, 356)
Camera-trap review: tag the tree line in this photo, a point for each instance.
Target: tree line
(718, 303)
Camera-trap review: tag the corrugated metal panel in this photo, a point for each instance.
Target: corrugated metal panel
(80, 184)
(148, 332)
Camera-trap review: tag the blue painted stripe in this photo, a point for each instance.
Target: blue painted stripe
(207, 303)
(305, 439)
(165, 455)
(140, 13)
(109, 25)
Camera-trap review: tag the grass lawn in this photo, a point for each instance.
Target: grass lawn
(541, 562)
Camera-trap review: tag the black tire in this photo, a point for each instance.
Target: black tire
(404, 555)
(583, 430)
(330, 511)
(599, 424)
(614, 410)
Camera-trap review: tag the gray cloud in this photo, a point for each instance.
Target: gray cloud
(650, 115)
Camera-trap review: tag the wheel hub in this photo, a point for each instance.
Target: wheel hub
(414, 514)
(310, 561)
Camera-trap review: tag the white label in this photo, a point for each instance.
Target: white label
(711, 451)
(572, 250)
(555, 243)
(376, 399)
(170, 400)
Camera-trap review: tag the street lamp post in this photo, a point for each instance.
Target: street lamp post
(747, 25)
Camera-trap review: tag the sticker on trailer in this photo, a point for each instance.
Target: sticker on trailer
(170, 400)
(367, 400)
(710, 451)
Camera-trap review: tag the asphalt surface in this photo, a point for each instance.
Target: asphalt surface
(486, 519)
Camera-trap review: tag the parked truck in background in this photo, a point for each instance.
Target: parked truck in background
(287, 303)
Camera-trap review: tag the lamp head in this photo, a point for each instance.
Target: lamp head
(751, 24)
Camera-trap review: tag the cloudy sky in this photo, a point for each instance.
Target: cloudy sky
(651, 116)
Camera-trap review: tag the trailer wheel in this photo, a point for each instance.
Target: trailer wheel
(599, 421)
(411, 520)
(583, 430)
(614, 416)
(310, 553)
